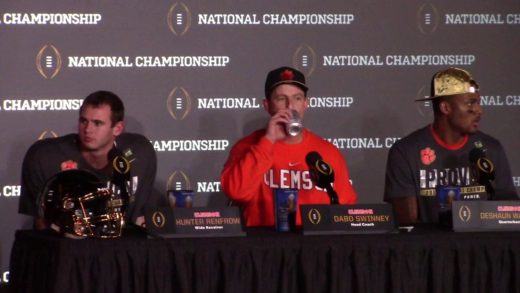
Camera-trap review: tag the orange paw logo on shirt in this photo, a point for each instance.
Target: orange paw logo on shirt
(427, 156)
(69, 165)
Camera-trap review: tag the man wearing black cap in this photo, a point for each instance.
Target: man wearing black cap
(274, 157)
(449, 152)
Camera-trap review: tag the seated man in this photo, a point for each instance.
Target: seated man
(100, 138)
(440, 153)
(271, 158)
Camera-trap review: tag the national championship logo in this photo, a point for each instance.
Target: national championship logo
(179, 19)
(178, 180)
(427, 18)
(48, 61)
(179, 103)
(424, 107)
(304, 59)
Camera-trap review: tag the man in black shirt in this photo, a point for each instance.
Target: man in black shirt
(439, 154)
(100, 137)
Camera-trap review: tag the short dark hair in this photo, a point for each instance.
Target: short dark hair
(96, 99)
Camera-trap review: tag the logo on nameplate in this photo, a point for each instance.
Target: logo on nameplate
(314, 216)
(464, 213)
(158, 219)
(179, 103)
(48, 61)
(179, 19)
(304, 59)
(427, 18)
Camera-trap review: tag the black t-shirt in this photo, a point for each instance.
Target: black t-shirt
(418, 163)
(47, 157)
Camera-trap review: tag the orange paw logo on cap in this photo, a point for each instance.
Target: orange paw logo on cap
(427, 156)
(287, 75)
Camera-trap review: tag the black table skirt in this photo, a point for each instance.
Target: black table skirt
(424, 260)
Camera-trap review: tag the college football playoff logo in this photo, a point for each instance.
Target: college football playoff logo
(464, 213)
(304, 59)
(179, 103)
(179, 19)
(48, 61)
(178, 180)
(427, 18)
(424, 107)
(314, 216)
(158, 219)
(47, 134)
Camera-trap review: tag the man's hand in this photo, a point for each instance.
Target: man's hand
(139, 221)
(276, 126)
(39, 223)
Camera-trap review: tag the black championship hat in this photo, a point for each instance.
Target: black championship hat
(284, 75)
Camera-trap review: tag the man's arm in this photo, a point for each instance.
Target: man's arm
(244, 170)
(405, 209)
(400, 189)
(33, 181)
(145, 171)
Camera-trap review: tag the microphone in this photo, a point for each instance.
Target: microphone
(322, 174)
(120, 173)
(484, 169)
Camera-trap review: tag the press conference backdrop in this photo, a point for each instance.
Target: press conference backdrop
(191, 75)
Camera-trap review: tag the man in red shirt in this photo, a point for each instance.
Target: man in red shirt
(271, 158)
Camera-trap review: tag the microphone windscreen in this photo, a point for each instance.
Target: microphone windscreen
(312, 158)
(475, 154)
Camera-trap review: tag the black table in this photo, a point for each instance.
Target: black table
(427, 259)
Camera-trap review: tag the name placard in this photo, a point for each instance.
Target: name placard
(347, 219)
(194, 222)
(486, 215)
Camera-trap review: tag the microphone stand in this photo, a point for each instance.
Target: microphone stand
(332, 194)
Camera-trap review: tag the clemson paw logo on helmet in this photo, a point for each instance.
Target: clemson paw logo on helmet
(427, 156)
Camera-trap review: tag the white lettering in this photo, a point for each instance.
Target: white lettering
(51, 18)
(11, 190)
(227, 103)
(427, 60)
(330, 102)
(41, 105)
(190, 145)
(208, 186)
(181, 61)
(473, 19)
(513, 19)
(357, 143)
(513, 100)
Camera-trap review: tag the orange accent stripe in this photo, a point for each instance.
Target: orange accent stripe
(452, 147)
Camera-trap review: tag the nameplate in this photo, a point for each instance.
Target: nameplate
(473, 192)
(347, 219)
(486, 216)
(194, 222)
